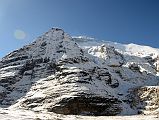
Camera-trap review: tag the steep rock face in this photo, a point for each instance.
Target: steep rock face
(80, 87)
(21, 68)
(56, 74)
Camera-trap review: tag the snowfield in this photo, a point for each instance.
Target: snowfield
(29, 115)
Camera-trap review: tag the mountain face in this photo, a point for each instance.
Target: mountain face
(80, 76)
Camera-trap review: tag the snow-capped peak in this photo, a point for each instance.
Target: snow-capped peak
(80, 75)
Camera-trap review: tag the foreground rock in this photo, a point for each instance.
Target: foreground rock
(146, 99)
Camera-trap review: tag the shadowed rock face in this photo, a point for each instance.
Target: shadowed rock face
(87, 106)
(54, 74)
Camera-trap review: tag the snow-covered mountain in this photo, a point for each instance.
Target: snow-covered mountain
(68, 75)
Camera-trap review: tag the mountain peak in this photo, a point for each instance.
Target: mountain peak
(56, 74)
(56, 34)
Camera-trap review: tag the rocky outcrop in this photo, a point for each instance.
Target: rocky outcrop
(87, 105)
(108, 55)
(157, 63)
(145, 99)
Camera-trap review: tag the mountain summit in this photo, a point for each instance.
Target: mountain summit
(80, 76)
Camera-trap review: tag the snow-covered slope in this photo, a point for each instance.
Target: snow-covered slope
(80, 76)
(131, 49)
(144, 55)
